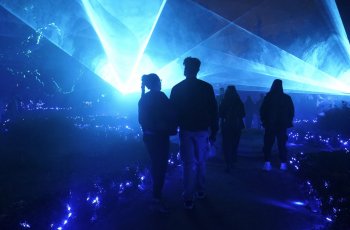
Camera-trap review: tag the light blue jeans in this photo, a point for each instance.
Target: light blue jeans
(193, 150)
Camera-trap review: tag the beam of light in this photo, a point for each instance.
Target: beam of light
(266, 59)
(103, 66)
(38, 30)
(178, 31)
(103, 35)
(296, 79)
(229, 69)
(321, 47)
(294, 67)
(259, 57)
(134, 74)
(333, 11)
(342, 36)
(129, 39)
(57, 35)
(121, 38)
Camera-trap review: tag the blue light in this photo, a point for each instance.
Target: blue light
(131, 38)
(338, 25)
(299, 203)
(24, 224)
(124, 30)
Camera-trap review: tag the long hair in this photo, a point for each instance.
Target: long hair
(231, 93)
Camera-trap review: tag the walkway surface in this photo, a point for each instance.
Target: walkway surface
(245, 198)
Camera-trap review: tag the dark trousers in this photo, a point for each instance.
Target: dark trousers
(158, 149)
(269, 139)
(230, 141)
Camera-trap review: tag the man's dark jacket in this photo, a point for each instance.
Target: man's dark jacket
(195, 105)
(277, 110)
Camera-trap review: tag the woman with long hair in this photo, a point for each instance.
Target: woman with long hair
(231, 113)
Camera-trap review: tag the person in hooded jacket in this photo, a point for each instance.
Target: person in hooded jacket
(276, 114)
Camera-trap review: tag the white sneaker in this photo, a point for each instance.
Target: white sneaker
(267, 166)
(283, 166)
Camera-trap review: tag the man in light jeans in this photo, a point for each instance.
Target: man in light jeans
(194, 148)
(197, 112)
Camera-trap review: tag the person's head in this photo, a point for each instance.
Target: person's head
(276, 86)
(222, 90)
(231, 92)
(192, 66)
(151, 81)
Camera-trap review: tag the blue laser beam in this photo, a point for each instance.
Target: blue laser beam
(334, 14)
(129, 39)
(134, 73)
(285, 66)
(328, 81)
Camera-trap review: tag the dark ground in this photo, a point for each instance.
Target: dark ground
(38, 187)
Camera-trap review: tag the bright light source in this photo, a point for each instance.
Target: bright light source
(122, 40)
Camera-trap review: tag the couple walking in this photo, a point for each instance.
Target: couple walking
(193, 109)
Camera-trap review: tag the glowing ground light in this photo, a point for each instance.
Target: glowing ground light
(25, 224)
(131, 38)
(298, 203)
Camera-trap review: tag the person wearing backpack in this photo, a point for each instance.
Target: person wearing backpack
(231, 114)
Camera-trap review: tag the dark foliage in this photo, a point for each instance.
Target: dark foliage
(329, 175)
(336, 120)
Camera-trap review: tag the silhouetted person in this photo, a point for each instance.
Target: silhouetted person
(157, 118)
(231, 113)
(196, 108)
(218, 142)
(220, 96)
(250, 110)
(276, 113)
